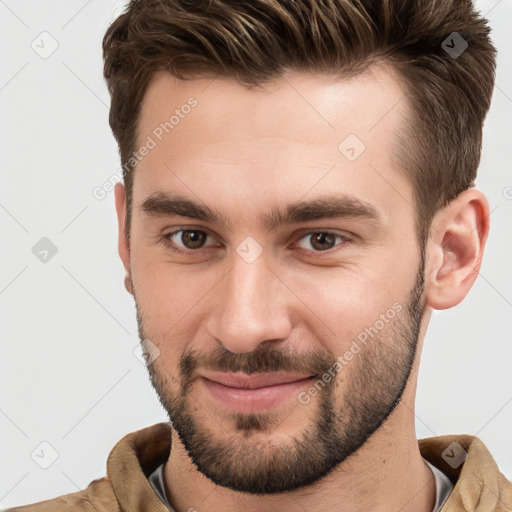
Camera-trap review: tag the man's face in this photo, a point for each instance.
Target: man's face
(283, 345)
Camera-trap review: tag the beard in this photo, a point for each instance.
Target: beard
(248, 459)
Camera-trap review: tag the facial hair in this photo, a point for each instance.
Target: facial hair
(375, 381)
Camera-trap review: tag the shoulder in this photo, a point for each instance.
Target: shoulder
(97, 497)
(478, 482)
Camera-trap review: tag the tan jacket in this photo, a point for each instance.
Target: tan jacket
(479, 485)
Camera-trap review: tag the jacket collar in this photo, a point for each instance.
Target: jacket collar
(479, 485)
(132, 460)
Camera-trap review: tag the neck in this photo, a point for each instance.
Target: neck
(387, 473)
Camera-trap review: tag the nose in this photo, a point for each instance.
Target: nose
(251, 308)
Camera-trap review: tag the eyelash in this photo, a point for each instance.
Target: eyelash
(166, 240)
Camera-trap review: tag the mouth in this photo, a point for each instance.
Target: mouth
(240, 392)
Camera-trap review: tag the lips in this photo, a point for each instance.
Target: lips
(254, 381)
(238, 392)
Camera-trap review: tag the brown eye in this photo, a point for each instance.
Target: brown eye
(321, 240)
(193, 239)
(186, 239)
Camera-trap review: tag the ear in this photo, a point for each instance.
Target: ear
(455, 249)
(123, 246)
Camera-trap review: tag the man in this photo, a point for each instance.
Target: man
(298, 197)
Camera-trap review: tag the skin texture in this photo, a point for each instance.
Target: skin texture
(245, 154)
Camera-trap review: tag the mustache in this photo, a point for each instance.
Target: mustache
(261, 360)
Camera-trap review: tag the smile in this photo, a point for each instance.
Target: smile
(253, 393)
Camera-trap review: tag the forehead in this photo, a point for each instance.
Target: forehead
(324, 104)
(218, 139)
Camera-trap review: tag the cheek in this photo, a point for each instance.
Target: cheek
(344, 302)
(165, 290)
(169, 302)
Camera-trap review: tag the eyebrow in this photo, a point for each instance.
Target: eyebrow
(160, 204)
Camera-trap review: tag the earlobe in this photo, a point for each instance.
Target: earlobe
(128, 283)
(123, 246)
(455, 250)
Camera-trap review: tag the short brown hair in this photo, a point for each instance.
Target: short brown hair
(256, 41)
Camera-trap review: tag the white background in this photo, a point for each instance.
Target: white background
(68, 373)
